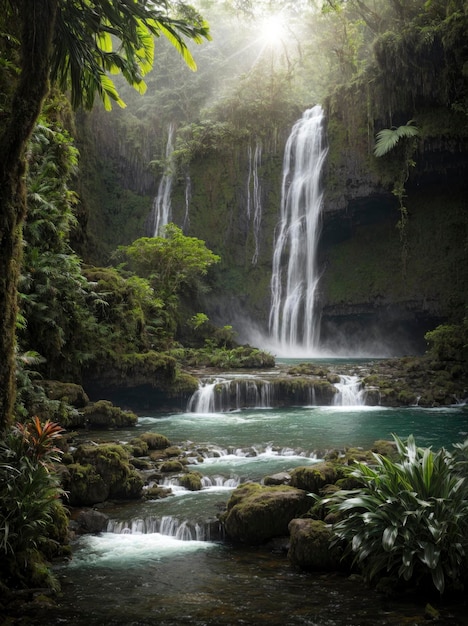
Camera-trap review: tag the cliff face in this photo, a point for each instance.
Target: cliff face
(385, 282)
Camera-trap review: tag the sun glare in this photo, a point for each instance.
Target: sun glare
(272, 29)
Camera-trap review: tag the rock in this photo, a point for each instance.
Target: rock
(92, 521)
(70, 393)
(103, 414)
(281, 478)
(256, 513)
(101, 472)
(309, 546)
(313, 477)
(171, 466)
(155, 441)
(84, 485)
(191, 481)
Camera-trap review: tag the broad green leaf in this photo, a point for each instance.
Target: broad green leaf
(388, 538)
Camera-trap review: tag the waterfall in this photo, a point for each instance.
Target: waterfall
(162, 202)
(224, 395)
(188, 198)
(169, 526)
(293, 321)
(254, 196)
(350, 392)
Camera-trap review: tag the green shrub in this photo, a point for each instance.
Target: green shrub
(410, 519)
(29, 502)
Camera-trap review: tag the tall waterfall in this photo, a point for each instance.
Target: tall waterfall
(293, 320)
(162, 202)
(254, 196)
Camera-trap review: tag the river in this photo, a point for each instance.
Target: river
(137, 574)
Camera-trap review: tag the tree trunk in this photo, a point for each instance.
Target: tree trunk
(37, 28)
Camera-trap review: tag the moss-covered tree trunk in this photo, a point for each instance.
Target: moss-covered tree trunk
(37, 21)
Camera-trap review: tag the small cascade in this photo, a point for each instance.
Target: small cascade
(293, 320)
(169, 526)
(220, 482)
(254, 196)
(162, 202)
(350, 392)
(225, 395)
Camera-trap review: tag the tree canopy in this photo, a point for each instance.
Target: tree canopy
(75, 45)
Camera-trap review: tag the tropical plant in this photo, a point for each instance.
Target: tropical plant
(29, 492)
(410, 518)
(388, 138)
(54, 295)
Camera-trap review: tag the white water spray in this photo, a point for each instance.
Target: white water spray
(162, 203)
(293, 320)
(350, 392)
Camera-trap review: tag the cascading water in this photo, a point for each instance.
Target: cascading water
(293, 320)
(162, 201)
(350, 392)
(254, 196)
(227, 395)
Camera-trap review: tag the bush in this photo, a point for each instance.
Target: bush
(29, 502)
(410, 520)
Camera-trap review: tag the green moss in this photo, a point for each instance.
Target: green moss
(171, 466)
(103, 414)
(155, 441)
(191, 481)
(313, 478)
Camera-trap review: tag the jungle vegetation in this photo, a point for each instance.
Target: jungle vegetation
(76, 288)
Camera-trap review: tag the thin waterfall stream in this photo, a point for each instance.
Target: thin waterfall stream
(161, 212)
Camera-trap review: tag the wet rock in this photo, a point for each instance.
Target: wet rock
(91, 521)
(309, 546)
(256, 513)
(281, 478)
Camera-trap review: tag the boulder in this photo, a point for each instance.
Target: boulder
(313, 477)
(309, 546)
(91, 521)
(281, 478)
(103, 414)
(256, 513)
(70, 393)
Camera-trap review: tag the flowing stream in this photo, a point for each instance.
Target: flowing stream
(166, 562)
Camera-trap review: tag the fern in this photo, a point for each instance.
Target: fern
(388, 138)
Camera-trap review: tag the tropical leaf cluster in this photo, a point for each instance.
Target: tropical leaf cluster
(388, 138)
(29, 497)
(409, 520)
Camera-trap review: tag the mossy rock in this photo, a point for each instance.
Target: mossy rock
(309, 546)
(111, 463)
(171, 466)
(191, 481)
(84, 485)
(172, 451)
(157, 492)
(103, 414)
(313, 477)
(137, 447)
(141, 464)
(155, 441)
(70, 393)
(256, 514)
